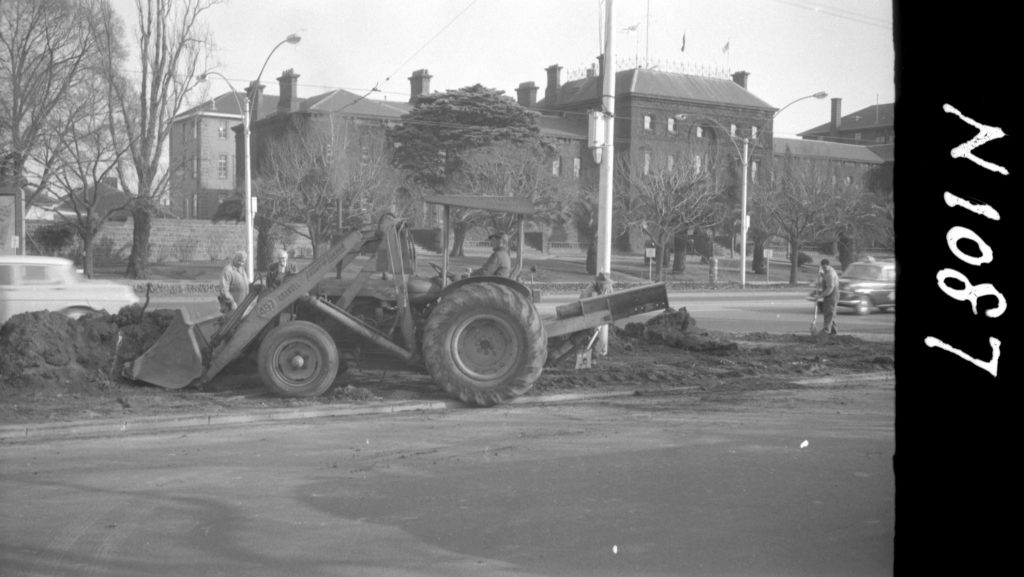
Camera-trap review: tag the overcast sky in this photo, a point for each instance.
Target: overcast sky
(791, 48)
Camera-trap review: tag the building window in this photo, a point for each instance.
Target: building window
(670, 162)
(648, 122)
(647, 162)
(732, 130)
(556, 166)
(222, 166)
(700, 132)
(576, 167)
(696, 163)
(195, 167)
(753, 171)
(856, 136)
(753, 132)
(195, 128)
(222, 130)
(670, 125)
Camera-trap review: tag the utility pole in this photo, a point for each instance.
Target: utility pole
(604, 200)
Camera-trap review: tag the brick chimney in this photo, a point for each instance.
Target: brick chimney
(526, 94)
(554, 83)
(419, 84)
(288, 100)
(837, 118)
(741, 78)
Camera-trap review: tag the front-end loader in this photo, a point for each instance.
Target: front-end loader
(481, 339)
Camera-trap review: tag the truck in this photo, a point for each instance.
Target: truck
(481, 339)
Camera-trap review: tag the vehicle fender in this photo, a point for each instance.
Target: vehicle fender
(516, 286)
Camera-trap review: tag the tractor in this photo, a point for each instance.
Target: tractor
(481, 339)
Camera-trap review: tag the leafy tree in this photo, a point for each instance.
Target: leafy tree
(171, 46)
(435, 138)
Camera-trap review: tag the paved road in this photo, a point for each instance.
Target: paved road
(795, 483)
(727, 311)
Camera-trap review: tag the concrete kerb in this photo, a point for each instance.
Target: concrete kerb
(33, 432)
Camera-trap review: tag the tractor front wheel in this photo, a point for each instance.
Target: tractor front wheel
(298, 359)
(484, 343)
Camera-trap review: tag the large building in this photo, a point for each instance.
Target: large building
(203, 154)
(873, 125)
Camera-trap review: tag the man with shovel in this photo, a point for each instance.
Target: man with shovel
(828, 296)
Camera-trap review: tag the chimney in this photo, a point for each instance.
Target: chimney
(837, 118)
(592, 71)
(526, 94)
(741, 78)
(254, 110)
(419, 84)
(288, 99)
(554, 83)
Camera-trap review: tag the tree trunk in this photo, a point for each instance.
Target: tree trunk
(794, 261)
(592, 258)
(459, 234)
(138, 260)
(679, 248)
(759, 267)
(88, 266)
(660, 254)
(264, 243)
(847, 246)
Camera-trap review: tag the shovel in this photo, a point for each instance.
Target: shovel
(814, 321)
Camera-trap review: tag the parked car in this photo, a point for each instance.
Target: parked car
(37, 283)
(867, 285)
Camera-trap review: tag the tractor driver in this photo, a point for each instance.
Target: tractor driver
(499, 263)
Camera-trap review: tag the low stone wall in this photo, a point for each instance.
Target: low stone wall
(175, 240)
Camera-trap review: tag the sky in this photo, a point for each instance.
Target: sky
(791, 48)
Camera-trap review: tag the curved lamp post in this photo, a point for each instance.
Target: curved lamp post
(247, 125)
(744, 157)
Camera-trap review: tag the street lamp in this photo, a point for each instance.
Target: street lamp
(247, 124)
(745, 162)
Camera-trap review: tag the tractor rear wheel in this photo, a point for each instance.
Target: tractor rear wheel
(298, 359)
(484, 343)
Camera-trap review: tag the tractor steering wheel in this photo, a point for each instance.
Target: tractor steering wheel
(438, 269)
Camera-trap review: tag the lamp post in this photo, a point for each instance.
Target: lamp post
(247, 132)
(744, 157)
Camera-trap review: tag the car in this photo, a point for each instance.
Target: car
(37, 283)
(867, 285)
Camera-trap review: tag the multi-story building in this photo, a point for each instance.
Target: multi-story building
(868, 126)
(203, 155)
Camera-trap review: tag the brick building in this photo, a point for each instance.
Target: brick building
(873, 125)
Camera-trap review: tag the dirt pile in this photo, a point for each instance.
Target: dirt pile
(674, 328)
(49, 351)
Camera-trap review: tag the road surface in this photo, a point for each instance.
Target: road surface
(787, 482)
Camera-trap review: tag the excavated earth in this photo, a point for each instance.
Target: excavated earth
(55, 369)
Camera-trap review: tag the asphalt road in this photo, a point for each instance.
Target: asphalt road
(792, 482)
(727, 311)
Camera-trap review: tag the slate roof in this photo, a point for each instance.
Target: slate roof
(355, 105)
(658, 84)
(874, 116)
(228, 104)
(826, 150)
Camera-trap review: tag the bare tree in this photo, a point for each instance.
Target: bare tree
(172, 45)
(668, 202)
(86, 159)
(46, 50)
(328, 174)
(803, 204)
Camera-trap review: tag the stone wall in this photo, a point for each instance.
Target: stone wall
(176, 240)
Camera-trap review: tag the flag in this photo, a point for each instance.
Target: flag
(725, 48)
(631, 28)
(683, 49)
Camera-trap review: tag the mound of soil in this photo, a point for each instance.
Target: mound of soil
(56, 368)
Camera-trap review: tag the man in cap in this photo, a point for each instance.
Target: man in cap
(279, 269)
(499, 263)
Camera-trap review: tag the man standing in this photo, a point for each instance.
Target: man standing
(829, 295)
(234, 283)
(499, 264)
(279, 269)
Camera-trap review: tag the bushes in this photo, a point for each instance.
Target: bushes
(55, 238)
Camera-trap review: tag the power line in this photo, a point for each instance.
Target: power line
(840, 13)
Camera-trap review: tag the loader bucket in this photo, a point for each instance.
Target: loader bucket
(175, 360)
